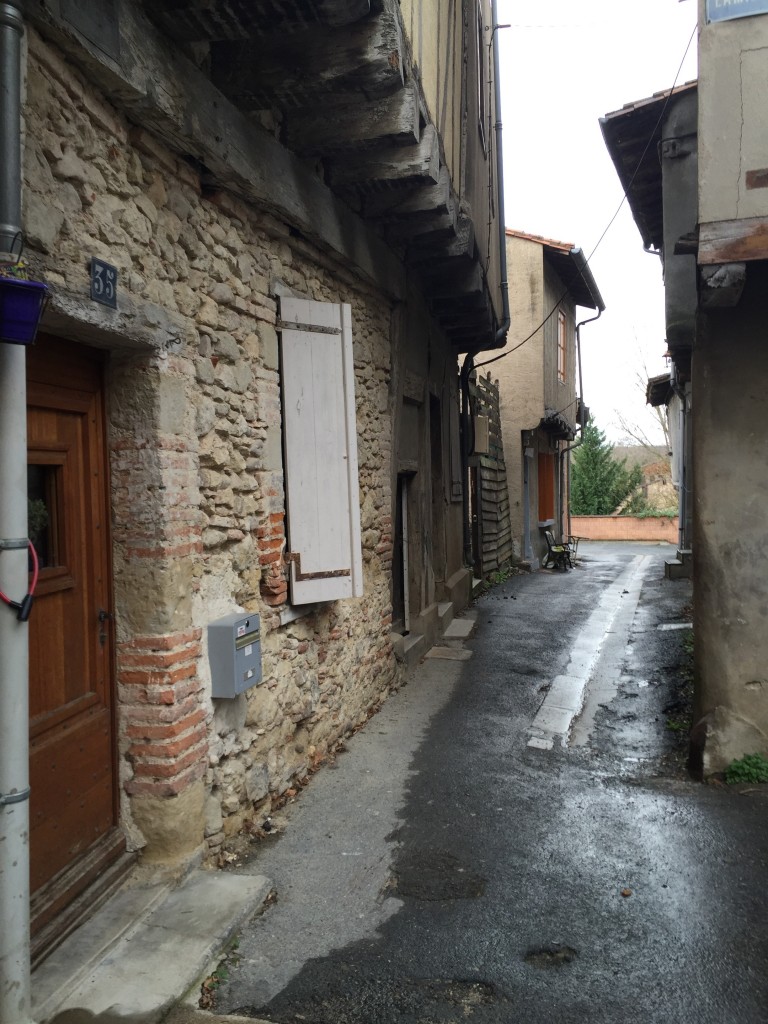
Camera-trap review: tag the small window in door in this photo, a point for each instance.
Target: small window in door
(43, 514)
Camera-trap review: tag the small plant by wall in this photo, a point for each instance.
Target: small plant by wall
(751, 768)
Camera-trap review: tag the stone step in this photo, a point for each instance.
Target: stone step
(414, 648)
(444, 614)
(459, 629)
(674, 569)
(142, 951)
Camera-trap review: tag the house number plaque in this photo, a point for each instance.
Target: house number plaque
(103, 282)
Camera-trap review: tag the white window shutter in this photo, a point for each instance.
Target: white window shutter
(320, 443)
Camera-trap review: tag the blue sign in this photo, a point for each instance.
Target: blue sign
(724, 10)
(103, 282)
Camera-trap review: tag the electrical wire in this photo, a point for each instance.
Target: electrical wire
(610, 223)
(23, 607)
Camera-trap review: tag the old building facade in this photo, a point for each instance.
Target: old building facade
(538, 380)
(703, 206)
(266, 422)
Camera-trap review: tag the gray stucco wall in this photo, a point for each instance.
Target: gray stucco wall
(730, 367)
(733, 117)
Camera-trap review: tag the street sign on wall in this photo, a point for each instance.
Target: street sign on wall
(724, 10)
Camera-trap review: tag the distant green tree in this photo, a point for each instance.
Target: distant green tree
(600, 482)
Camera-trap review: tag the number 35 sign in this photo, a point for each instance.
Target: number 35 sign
(103, 282)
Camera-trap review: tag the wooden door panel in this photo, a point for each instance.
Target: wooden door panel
(72, 761)
(61, 840)
(82, 797)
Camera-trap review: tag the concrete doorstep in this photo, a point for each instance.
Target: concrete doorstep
(144, 950)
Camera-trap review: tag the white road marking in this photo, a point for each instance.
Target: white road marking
(565, 698)
(675, 625)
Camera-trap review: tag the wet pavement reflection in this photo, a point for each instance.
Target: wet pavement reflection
(586, 879)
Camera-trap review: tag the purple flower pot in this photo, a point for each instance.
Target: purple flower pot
(21, 306)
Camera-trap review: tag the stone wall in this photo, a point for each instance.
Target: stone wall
(196, 466)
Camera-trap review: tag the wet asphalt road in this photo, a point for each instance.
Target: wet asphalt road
(447, 871)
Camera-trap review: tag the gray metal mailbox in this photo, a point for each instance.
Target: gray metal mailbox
(234, 654)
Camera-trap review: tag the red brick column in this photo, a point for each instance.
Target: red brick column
(274, 580)
(161, 718)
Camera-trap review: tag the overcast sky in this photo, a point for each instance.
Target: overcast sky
(564, 64)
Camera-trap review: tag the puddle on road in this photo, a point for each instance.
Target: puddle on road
(551, 956)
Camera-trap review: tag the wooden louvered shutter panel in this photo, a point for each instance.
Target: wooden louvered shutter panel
(320, 445)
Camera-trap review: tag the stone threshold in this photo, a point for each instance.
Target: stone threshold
(145, 948)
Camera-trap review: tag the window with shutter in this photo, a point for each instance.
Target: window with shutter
(320, 447)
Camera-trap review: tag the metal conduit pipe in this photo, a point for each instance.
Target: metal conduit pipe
(14, 662)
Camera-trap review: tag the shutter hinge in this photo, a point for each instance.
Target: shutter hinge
(285, 325)
(295, 557)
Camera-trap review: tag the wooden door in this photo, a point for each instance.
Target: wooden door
(72, 761)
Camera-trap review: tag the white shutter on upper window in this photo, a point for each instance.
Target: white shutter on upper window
(320, 444)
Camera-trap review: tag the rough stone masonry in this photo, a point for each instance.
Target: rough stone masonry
(194, 426)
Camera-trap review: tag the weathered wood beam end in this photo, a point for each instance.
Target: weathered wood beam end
(454, 283)
(293, 70)
(425, 199)
(349, 122)
(399, 167)
(460, 247)
(423, 231)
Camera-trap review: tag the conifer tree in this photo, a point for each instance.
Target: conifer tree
(600, 482)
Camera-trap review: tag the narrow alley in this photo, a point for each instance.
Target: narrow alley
(463, 863)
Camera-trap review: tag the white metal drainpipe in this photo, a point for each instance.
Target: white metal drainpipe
(14, 654)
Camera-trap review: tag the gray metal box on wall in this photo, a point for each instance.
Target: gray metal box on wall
(234, 654)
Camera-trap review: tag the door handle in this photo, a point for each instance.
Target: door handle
(104, 617)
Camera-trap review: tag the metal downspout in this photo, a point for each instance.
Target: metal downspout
(580, 442)
(14, 662)
(464, 436)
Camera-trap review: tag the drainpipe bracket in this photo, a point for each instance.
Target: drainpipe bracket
(12, 544)
(15, 798)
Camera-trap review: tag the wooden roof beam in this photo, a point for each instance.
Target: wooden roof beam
(461, 247)
(399, 168)
(294, 69)
(425, 200)
(213, 20)
(347, 123)
(424, 230)
(454, 281)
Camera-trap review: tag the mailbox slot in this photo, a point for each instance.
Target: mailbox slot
(234, 654)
